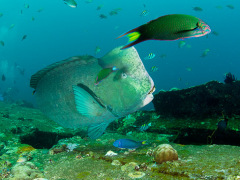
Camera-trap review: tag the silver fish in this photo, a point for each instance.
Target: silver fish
(70, 3)
(66, 93)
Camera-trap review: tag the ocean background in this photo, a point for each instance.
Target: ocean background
(59, 32)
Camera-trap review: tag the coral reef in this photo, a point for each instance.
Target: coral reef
(229, 78)
(136, 175)
(165, 152)
(26, 171)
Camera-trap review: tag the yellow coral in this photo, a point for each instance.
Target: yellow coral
(25, 148)
(165, 152)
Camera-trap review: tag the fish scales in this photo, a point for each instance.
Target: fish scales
(67, 94)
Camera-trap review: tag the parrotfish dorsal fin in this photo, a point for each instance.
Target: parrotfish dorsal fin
(37, 76)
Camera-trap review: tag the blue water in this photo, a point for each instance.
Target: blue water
(60, 31)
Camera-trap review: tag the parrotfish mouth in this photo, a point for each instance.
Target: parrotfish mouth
(152, 90)
(149, 96)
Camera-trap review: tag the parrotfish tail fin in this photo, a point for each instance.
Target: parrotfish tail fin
(96, 131)
(135, 36)
(85, 102)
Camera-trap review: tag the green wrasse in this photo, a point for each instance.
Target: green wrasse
(104, 73)
(169, 27)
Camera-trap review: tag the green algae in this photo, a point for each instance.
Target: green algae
(83, 175)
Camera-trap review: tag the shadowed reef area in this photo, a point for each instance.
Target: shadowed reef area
(32, 146)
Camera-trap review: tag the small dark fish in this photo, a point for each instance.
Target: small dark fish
(169, 27)
(3, 77)
(111, 13)
(40, 10)
(145, 127)
(163, 56)
(2, 43)
(1, 14)
(181, 44)
(99, 7)
(88, 1)
(197, 9)
(144, 13)
(102, 16)
(24, 37)
(219, 7)
(154, 68)
(205, 53)
(150, 56)
(26, 6)
(230, 6)
(215, 33)
(222, 125)
(97, 50)
(128, 143)
(11, 26)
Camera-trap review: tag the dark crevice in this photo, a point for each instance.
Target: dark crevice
(203, 137)
(43, 140)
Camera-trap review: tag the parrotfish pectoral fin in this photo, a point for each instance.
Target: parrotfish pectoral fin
(86, 104)
(96, 131)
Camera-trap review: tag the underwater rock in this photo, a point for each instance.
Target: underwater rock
(136, 175)
(111, 153)
(26, 171)
(129, 167)
(116, 163)
(203, 101)
(165, 152)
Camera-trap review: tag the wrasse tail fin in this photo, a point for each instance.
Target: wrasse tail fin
(96, 131)
(134, 36)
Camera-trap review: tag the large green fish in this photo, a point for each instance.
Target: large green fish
(169, 27)
(66, 93)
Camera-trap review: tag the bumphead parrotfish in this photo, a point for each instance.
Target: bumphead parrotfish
(65, 91)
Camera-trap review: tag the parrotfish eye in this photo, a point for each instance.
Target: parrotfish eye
(124, 75)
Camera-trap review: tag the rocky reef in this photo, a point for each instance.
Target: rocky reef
(208, 100)
(33, 147)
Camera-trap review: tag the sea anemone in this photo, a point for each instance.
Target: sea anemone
(165, 152)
